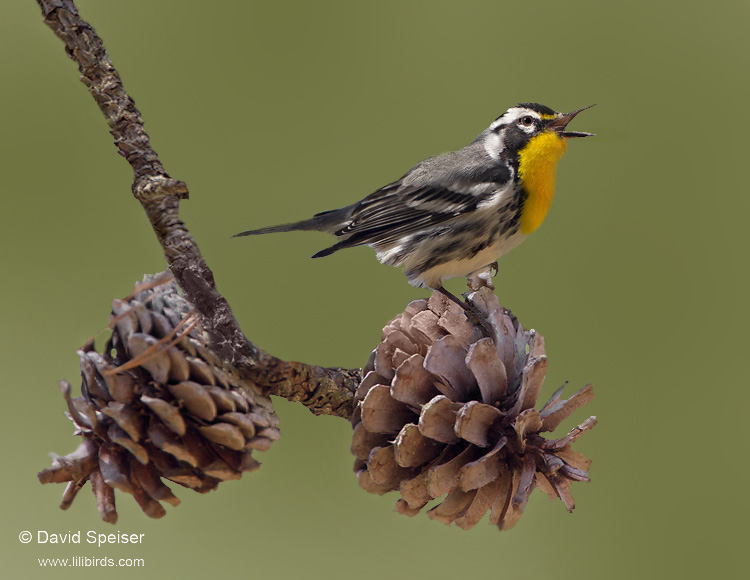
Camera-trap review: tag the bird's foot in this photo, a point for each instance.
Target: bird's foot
(474, 316)
(482, 277)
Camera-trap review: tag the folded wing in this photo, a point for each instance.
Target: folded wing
(398, 210)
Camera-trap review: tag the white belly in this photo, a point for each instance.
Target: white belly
(433, 277)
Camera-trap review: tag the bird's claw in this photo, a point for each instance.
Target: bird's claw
(482, 277)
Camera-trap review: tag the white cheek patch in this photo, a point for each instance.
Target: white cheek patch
(493, 144)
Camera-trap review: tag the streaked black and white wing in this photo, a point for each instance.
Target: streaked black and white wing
(398, 210)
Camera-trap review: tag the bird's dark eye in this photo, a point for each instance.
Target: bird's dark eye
(527, 120)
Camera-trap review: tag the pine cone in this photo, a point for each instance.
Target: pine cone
(156, 403)
(445, 409)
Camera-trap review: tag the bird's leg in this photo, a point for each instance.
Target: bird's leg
(482, 277)
(472, 313)
(454, 298)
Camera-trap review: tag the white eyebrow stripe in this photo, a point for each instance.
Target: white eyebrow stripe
(497, 123)
(512, 115)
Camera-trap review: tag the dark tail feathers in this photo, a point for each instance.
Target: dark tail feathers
(331, 250)
(327, 221)
(310, 224)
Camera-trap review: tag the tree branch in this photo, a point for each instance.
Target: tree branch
(323, 390)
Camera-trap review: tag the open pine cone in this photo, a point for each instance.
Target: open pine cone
(156, 403)
(445, 410)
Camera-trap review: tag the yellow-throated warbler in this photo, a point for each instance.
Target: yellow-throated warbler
(457, 213)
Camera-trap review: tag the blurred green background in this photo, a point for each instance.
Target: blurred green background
(273, 111)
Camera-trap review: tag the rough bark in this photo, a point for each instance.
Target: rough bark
(322, 390)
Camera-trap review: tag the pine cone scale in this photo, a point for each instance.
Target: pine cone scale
(413, 384)
(411, 448)
(479, 473)
(474, 423)
(489, 370)
(381, 413)
(443, 478)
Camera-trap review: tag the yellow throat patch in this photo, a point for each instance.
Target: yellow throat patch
(537, 168)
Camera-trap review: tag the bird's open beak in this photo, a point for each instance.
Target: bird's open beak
(561, 122)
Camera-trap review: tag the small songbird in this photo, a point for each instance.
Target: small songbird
(457, 213)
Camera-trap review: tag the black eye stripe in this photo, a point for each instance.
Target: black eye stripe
(523, 120)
